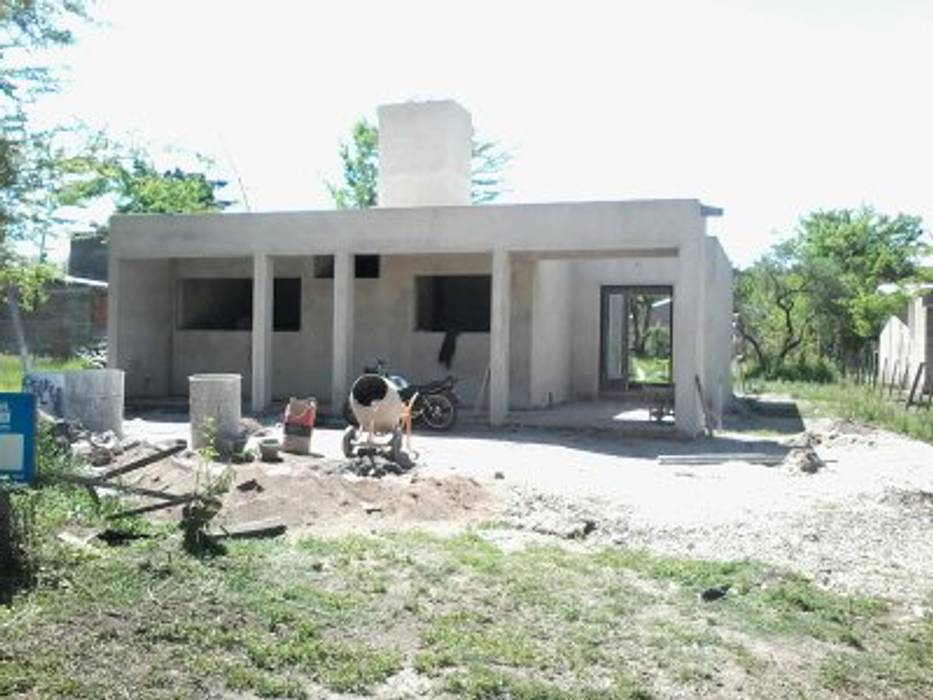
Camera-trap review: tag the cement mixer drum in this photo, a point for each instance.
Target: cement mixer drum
(376, 404)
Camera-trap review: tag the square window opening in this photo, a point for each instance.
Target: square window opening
(226, 304)
(453, 303)
(364, 267)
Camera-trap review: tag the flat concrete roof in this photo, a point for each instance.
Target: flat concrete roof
(553, 227)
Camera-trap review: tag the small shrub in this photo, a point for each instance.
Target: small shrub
(819, 371)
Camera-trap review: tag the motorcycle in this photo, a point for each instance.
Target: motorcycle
(436, 403)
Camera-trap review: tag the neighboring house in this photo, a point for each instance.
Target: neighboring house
(533, 294)
(73, 317)
(88, 257)
(904, 346)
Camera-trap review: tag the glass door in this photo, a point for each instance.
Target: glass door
(636, 326)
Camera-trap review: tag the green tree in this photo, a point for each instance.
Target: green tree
(27, 158)
(490, 162)
(136, 185)
(819, 293)
(360, 163)
(360, 159)
(774, 311)
(852, 253)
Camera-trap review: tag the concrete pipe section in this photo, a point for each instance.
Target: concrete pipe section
(214, 407)
(93, 397)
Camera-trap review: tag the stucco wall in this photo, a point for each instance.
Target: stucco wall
(895, 349)
(424, 154)
(384, 327)
(907, 345)
(551, 351)
(587, 277)
(717, 329)
(146, 309)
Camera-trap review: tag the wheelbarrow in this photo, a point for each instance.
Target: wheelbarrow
(382, 418)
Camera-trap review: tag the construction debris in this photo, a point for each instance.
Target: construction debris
(804, 459)
(377, 466)
(270, 527)
(765, 458)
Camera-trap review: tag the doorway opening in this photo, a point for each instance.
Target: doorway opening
(636, 334)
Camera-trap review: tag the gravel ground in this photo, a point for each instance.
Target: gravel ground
(860, 524)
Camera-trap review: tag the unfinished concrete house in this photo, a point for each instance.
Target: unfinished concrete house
(541, 308)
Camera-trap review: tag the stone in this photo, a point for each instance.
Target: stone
(714, 593)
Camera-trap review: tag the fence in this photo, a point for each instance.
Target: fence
(903, 384)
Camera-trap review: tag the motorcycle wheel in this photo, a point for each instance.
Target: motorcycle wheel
(349, 442)
(438, 411)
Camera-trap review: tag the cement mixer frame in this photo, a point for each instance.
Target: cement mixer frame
(382, 416)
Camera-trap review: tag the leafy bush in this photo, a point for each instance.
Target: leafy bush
(819, 371)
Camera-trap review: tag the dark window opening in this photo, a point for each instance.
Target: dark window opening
(367, 267)
(217, 304)
(227, 304)
(364, 267)
(453, 303)
(286, 304)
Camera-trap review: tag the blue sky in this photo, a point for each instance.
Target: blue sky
(767, 109)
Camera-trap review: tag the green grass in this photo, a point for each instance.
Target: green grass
(297, 617)
(857, 402)
(651, 370)
(11, 372)
(290, 618)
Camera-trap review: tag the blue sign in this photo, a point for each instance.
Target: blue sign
(18, 437)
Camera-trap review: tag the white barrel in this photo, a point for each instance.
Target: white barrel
(94, 398)
(214, 402)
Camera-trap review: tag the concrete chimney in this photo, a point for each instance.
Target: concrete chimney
(425, 149)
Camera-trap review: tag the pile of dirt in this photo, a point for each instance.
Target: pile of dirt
(314, 494)
(836, 433)
(803, 459)
(916, 502)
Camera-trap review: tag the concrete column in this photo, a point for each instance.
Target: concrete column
(499, 337)
(688, 330)
(343, 328)
(114, 292)
(263, 278)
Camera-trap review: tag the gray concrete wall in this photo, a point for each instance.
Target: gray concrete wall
(575, 226)
(146, 310)
(552, 334)
(384, 327)
(717, 329)
(73, 316)
(644, 242)
(425, 151)
(588, 276)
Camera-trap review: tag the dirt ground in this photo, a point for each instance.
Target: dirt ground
(858, 524)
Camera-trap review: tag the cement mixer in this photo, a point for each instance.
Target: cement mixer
(381, 417)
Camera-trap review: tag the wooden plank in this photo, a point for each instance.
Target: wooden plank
(154, 507)
(270, 527)
(135, 490)
(913, 386)
(719, 458)
(144, 461)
